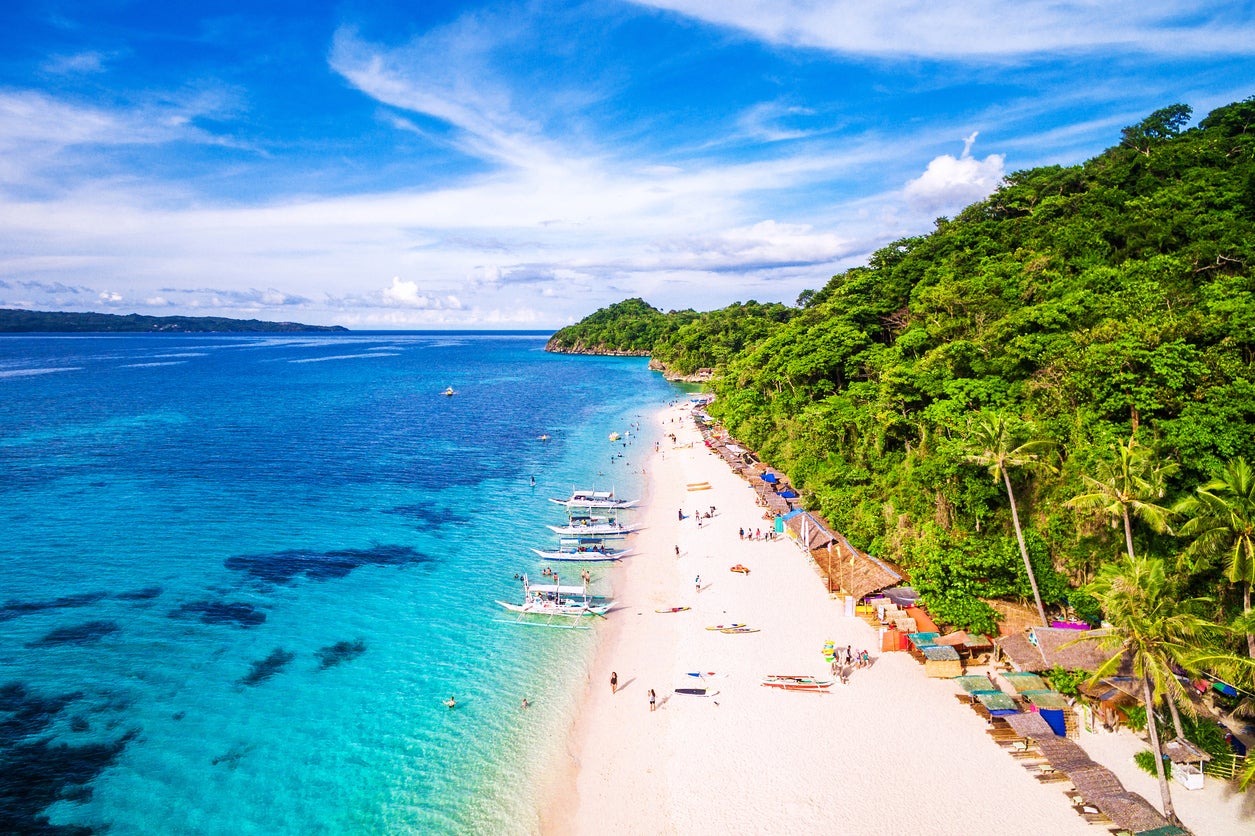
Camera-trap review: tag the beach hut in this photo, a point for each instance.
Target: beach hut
(941, 662)
(1187, 763)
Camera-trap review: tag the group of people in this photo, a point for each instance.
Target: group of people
(844, 661)
(757, 534)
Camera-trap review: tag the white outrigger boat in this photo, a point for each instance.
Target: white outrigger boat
(557, 600)
(594, 527)
(582, 550)
(594, 500)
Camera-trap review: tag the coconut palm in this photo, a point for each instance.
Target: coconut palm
(1127, 488)
(1222, 522)
(991, 445)
(1147, 625)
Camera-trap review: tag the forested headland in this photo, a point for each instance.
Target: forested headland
(1082, 341)
(17, 320)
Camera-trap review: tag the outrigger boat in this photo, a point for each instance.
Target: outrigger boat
(582, 550)
(594, 527)
(557, 600)
(796, 682)
(600, 500)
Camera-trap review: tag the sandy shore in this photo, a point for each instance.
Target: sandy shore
(891, 752)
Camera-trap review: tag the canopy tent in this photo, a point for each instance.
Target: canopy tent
(974, 684)
(903, 596)
(788, 493)
(998, 704)
(769, 478)
(923, 640)
(1021, 682)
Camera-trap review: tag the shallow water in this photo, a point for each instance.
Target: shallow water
(239, 574)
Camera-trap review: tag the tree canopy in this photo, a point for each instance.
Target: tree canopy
(1099, 302)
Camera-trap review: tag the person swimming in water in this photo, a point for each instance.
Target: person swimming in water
(451, 702)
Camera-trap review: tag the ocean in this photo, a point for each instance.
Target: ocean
(239, 575)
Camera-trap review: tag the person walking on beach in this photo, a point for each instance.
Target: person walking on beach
(651, 699)
(741, 533)
(697, 582)
(614, 682)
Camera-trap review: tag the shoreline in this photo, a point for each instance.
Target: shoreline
(892, 751)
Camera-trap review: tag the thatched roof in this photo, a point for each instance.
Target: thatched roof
(1041, 648)
(1030, 725)
(858, 573)
(1129, 811)
(815, 531)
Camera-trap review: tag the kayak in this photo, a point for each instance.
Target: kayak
(725, 626)
(673, 609)
(739, 630)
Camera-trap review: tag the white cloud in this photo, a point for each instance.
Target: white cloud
(109, 297)
(989, 28)
(950, 183)
(77, 63)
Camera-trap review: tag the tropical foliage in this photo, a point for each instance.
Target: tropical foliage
(1107, 308)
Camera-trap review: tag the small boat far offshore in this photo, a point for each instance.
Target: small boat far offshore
(448, 393)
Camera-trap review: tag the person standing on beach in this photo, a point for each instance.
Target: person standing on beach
(614, 682)
(697, 582)
(651, 699)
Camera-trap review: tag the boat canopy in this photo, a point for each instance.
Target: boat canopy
(556, 589)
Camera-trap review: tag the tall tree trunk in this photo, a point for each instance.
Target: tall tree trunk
(1019, 535)
(1128, 533)
(1246, 606)
(1176, 716)
(1166, 794)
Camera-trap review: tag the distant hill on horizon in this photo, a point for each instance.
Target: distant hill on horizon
(17, 320)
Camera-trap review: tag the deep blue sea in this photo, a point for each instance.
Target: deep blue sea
(240, 574)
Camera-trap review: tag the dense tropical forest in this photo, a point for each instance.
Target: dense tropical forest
(1075, 353)
(16, 320)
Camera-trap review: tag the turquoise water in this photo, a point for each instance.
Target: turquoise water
(239, 574)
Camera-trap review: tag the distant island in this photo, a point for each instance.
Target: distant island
(17, 321)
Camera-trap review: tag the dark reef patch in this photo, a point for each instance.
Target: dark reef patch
(88, 633)
(221, 612)
(38, 773)
(232, 756)
(283, 567)
(263, 669)
(145, 594)
(339, 653)
(429, 516)
(24, 713)
(14, 609)
(34, 773)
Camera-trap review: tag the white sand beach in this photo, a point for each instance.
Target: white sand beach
(890, 752)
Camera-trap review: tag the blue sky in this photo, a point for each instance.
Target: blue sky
(520, 164)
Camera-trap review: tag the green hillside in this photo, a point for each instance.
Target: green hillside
(1082, 305)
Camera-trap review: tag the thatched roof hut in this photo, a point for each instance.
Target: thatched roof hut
(1042, 648)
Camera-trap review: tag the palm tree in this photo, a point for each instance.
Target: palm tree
(1155, 632)
(989, 444)
(1222, 521)
(1128, 487)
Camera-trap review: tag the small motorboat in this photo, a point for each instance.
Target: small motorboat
(448, 393)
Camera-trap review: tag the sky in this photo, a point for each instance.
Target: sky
(517, 165)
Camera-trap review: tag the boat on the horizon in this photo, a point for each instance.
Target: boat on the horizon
(449, 392)
(556, 599)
